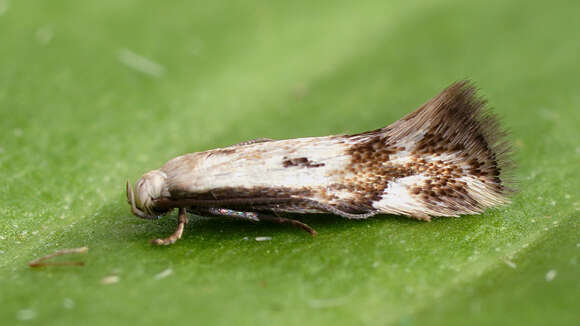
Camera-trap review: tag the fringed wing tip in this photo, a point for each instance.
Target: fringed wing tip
(461, 150)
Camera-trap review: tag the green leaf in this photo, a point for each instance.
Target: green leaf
(95, 93)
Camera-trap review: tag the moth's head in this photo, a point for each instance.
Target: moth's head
(150, 187)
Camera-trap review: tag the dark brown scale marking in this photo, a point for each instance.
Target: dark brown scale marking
(300, 162)
(371, 169)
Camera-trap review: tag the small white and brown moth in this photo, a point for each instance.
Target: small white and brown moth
(447, 158)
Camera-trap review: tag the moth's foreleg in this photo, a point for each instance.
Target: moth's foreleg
(259, 217)
(181, 223)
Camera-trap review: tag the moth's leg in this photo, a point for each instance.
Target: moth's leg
(181, 223)
(252, 141)
(259, 217)
(339, 212)
(294, 223)
(238, 215)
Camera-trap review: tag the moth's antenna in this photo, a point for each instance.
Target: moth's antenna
(131, 200)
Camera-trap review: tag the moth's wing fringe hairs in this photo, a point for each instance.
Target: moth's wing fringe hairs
(459, 116)
(455, 126)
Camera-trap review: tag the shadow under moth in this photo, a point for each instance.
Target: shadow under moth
(447, 158)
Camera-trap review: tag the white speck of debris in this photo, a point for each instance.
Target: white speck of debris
(578, 245)
(263, 238)
(553, 202)
(245, 238)
(567, 196)
(140, 63)
(111, 279)
(510, 263)
(539, 198)
(68, 303)
(376, 264)
(4, 5)
(2, 237)
(26, 314)
(44, 35)
(551, 275)
(163, 274)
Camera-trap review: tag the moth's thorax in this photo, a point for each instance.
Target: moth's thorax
(187, 173)
(150, 187)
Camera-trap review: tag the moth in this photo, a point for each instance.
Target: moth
(447, 158)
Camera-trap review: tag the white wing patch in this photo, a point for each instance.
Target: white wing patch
(296, 163)
(397, 198)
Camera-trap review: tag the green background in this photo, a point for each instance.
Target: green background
(93, 93)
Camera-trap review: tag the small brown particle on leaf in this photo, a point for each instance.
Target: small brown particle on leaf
(41, 262)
